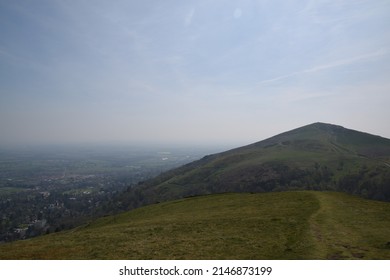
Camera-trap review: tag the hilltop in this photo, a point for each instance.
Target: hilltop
(318, 156)
(283, 225)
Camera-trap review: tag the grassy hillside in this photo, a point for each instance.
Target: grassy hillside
(314, 157)
(285, 225)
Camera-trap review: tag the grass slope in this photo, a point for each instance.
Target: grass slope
(317, 156)
(286, 225)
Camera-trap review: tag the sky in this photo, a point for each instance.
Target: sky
(220, 72)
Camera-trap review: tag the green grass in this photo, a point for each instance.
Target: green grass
(348, 227)
(287, 225)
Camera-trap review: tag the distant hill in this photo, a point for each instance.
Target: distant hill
(283, 225)
(318, 156)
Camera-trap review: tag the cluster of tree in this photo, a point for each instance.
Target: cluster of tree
(369, 183)
(372, 183)
(31, 213)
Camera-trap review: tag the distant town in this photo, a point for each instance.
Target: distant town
(48, 190)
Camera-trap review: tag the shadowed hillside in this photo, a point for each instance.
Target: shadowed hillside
(314, 157)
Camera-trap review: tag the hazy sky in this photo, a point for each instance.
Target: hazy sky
(191, 71)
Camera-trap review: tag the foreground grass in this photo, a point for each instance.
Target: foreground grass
(348, 227)
(289, 225)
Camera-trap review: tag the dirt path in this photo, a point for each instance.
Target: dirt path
(317, 230)
(333, 238)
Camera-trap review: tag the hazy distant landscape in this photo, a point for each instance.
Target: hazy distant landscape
(48, 189)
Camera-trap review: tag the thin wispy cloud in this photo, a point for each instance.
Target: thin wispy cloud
(348, 61)
(189, 17)
(327, 66)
